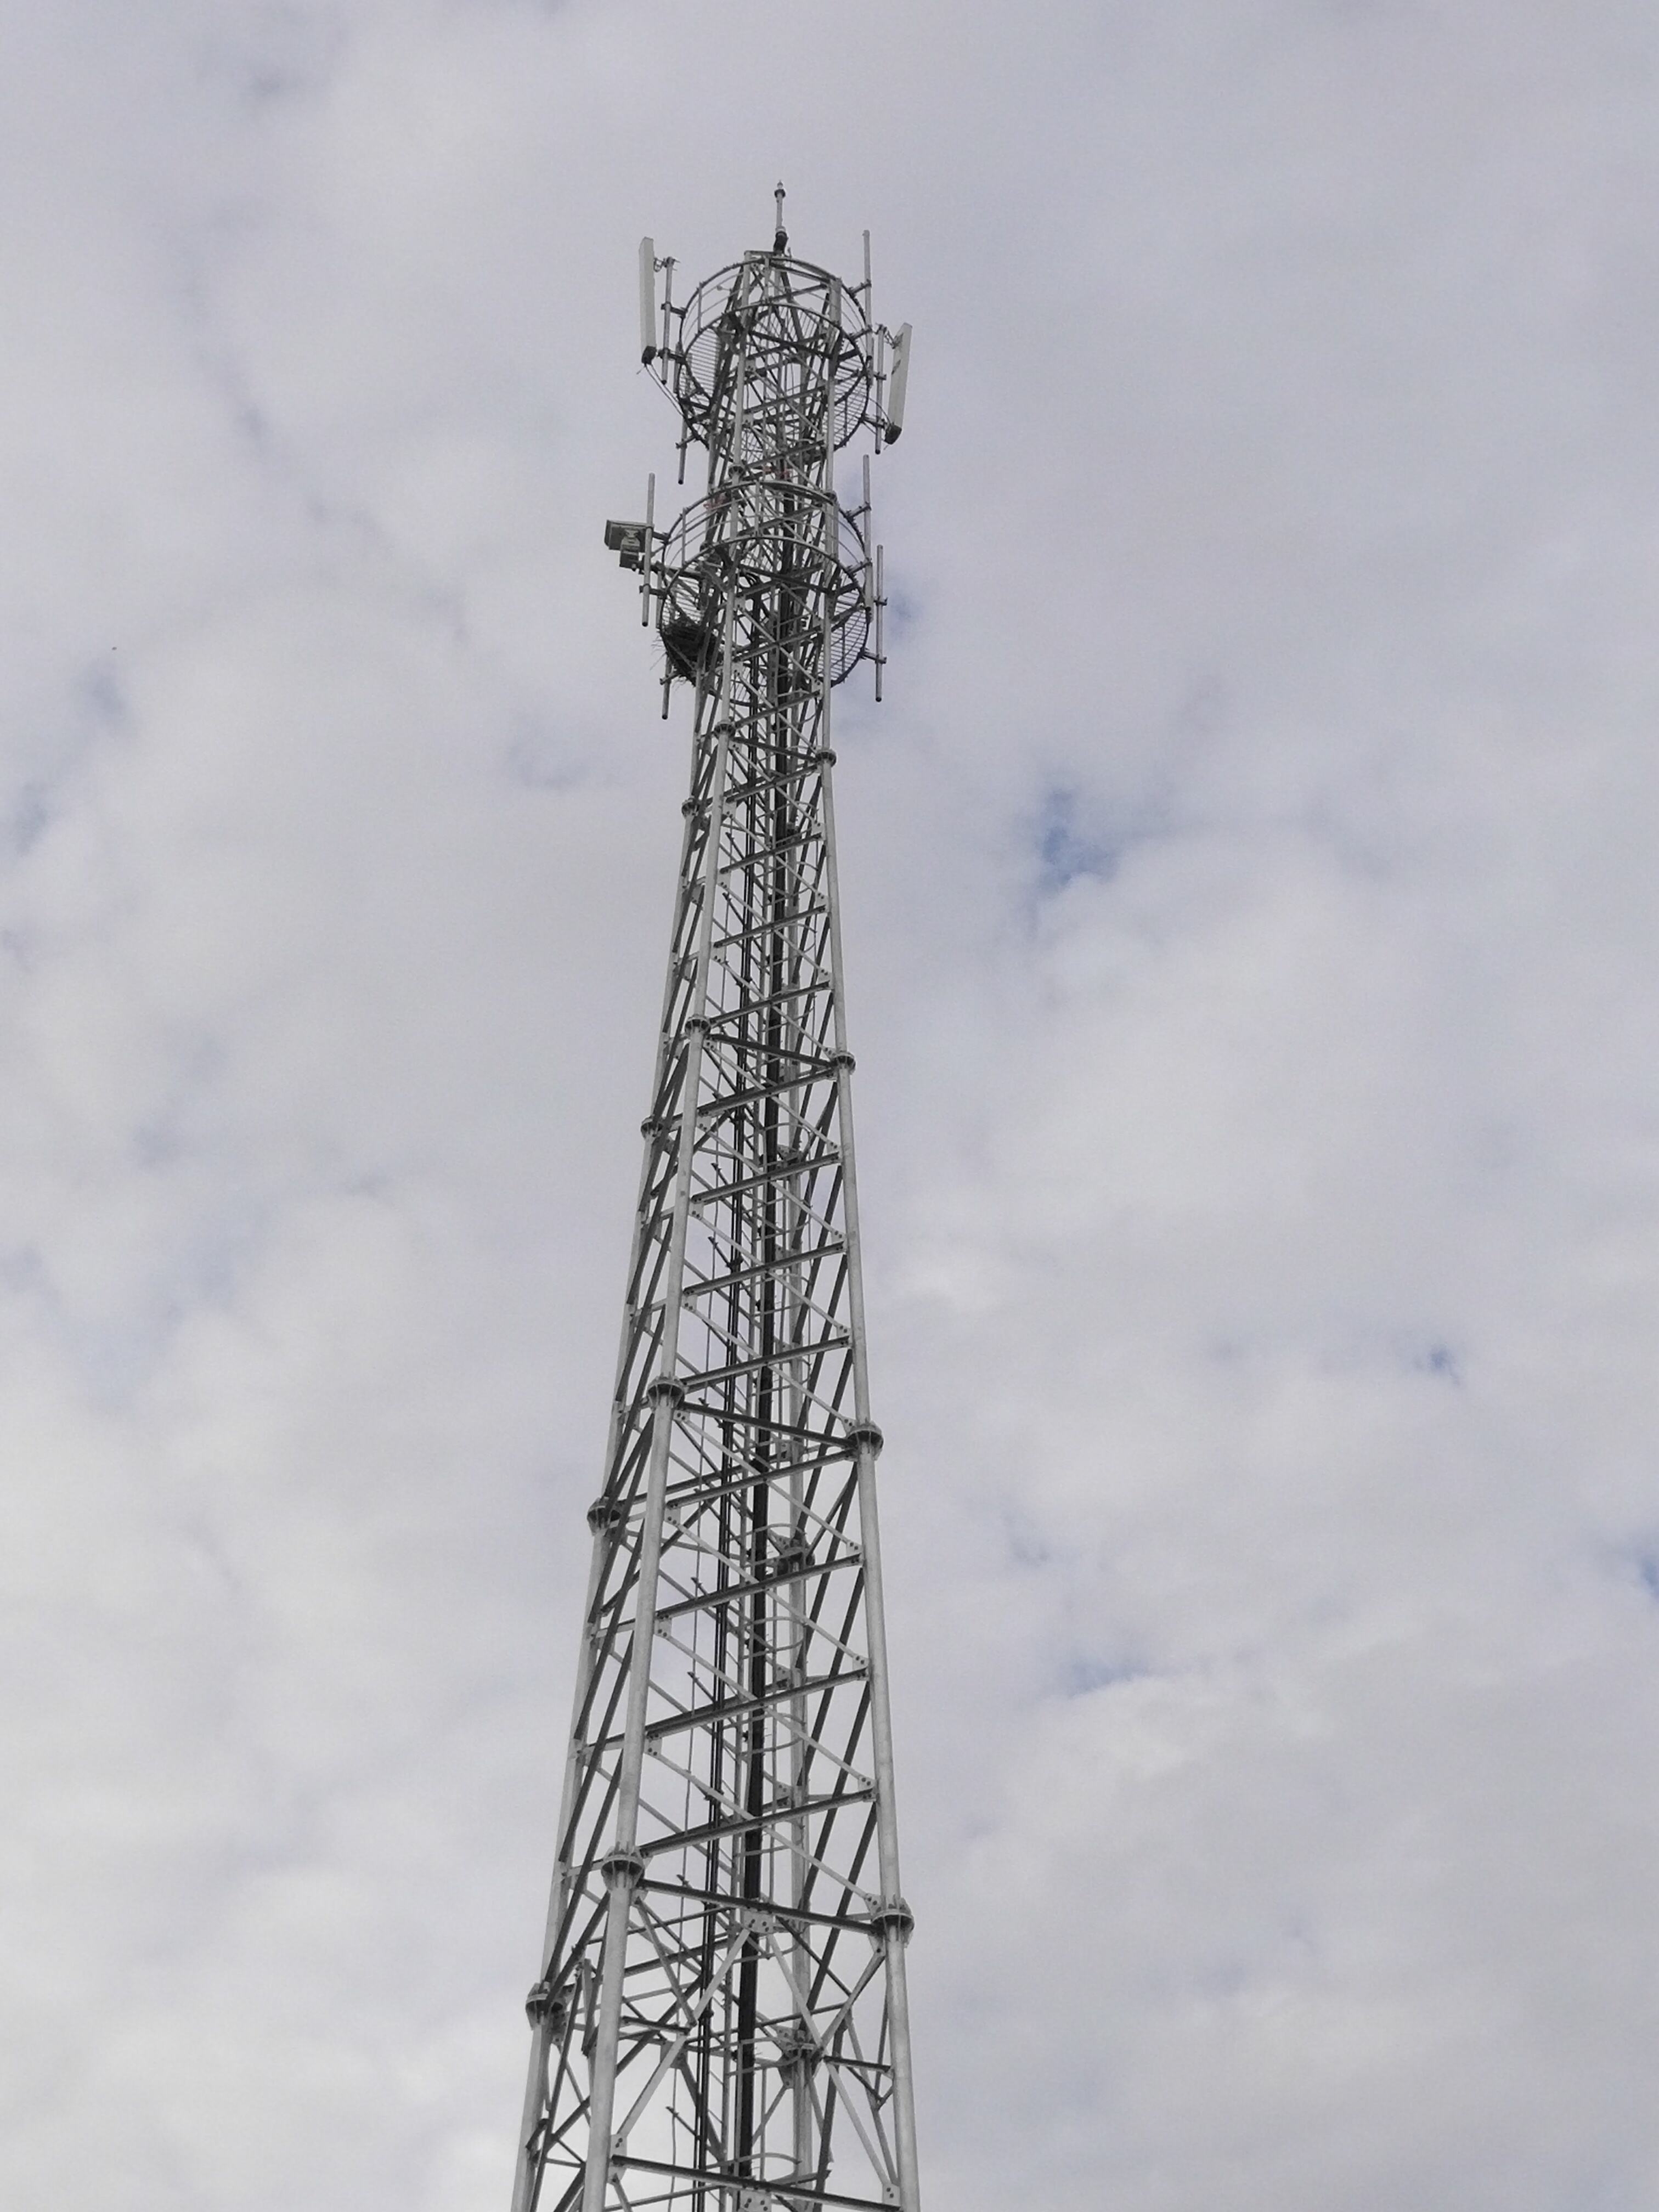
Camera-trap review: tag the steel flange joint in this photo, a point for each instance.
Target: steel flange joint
(893, 1916)
(622, 1870)
(545, 2007)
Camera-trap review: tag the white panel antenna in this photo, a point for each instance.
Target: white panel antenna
(899, 377)
(647, 299)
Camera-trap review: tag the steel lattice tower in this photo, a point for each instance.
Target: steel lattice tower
(721, 2019)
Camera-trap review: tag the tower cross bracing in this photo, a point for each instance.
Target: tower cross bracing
(721, 2019)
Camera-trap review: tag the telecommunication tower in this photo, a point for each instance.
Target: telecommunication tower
(719, 2022)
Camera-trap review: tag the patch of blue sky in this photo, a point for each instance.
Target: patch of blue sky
(1090, 1671)
(1065, 849)
(1438, 1360)
(1072, 843)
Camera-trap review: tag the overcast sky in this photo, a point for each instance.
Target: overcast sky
(1251, 920)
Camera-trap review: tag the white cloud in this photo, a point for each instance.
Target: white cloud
(1251, 924)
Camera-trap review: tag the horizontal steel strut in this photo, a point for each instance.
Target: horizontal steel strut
(720, 2011)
